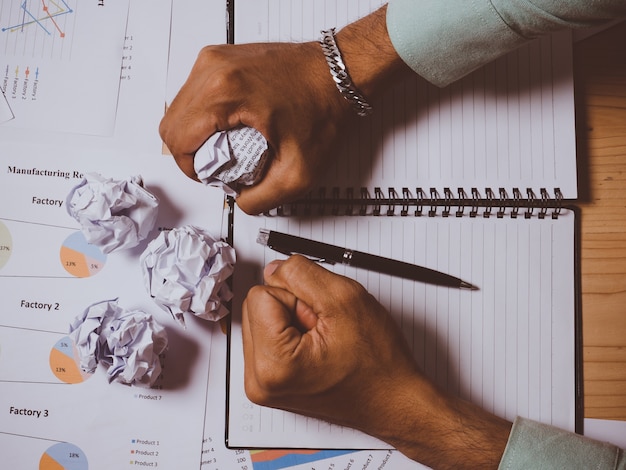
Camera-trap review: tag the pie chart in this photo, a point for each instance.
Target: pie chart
(65, 362)
(79, 258)
(63, 456)
(6, 244)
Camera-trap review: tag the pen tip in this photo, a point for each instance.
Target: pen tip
(467, 285)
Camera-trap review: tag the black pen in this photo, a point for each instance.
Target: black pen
(325, 253)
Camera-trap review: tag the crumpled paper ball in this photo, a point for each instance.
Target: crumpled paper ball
(231, 159)
(185, 271)
(113, 214)
(127, 342)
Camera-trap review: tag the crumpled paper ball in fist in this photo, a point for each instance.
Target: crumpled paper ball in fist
(231, 159)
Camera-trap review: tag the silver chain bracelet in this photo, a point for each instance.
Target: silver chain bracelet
(340, 74)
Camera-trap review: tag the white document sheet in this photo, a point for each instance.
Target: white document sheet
(49, 274)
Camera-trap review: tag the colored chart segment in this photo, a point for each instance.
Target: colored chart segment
(276, 459)
(63, 456)
(65, 362)
(45, 17)
(79, 258)
(6, 244)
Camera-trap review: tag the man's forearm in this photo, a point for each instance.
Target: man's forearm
(371, 60)
(438, 430)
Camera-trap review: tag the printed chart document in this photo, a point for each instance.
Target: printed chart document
(49, 275)
(60, 63)
(57, 416)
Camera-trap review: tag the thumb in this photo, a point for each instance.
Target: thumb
(267, 318)
(274, 344)
(306, 280)
(275, 188)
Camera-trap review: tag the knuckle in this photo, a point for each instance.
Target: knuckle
(223, 73)
(294, 266)
(354, 289)
(256, 291)
(210, 53)
(266, 384)
(250, 206)
(255, 297)
(254, 393)
(256, 398)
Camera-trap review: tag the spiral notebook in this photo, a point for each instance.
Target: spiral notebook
(476, 180)
(504, 135)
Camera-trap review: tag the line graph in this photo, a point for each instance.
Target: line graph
(42, 17)
(37, 28)
(59, 43)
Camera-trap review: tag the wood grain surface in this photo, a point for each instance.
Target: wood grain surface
(600, 81)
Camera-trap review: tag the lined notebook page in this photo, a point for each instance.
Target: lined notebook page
(508, 125)
(508, 347)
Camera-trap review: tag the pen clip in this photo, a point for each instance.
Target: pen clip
(281, 251)
(319, 260)
(312, 258)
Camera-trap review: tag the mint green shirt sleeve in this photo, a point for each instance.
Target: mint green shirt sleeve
(535, 445)
(445, 40)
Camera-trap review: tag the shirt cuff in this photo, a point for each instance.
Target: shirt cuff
(445, 40)
(535, 445)
(443, 47)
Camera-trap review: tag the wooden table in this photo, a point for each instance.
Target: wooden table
(600, 68)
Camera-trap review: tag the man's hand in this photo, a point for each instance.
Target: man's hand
(283, 90)
(318, 344)
(286, 92)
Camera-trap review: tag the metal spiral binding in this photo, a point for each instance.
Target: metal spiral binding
(379, 196)
(502, 207)
(517, 198)
(475, 202)
(420, 202)
(406, 196)
(462, 203)
(530, 207)
(393, 199)
(429, 202)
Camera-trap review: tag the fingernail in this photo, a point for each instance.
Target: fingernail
(271, 267)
